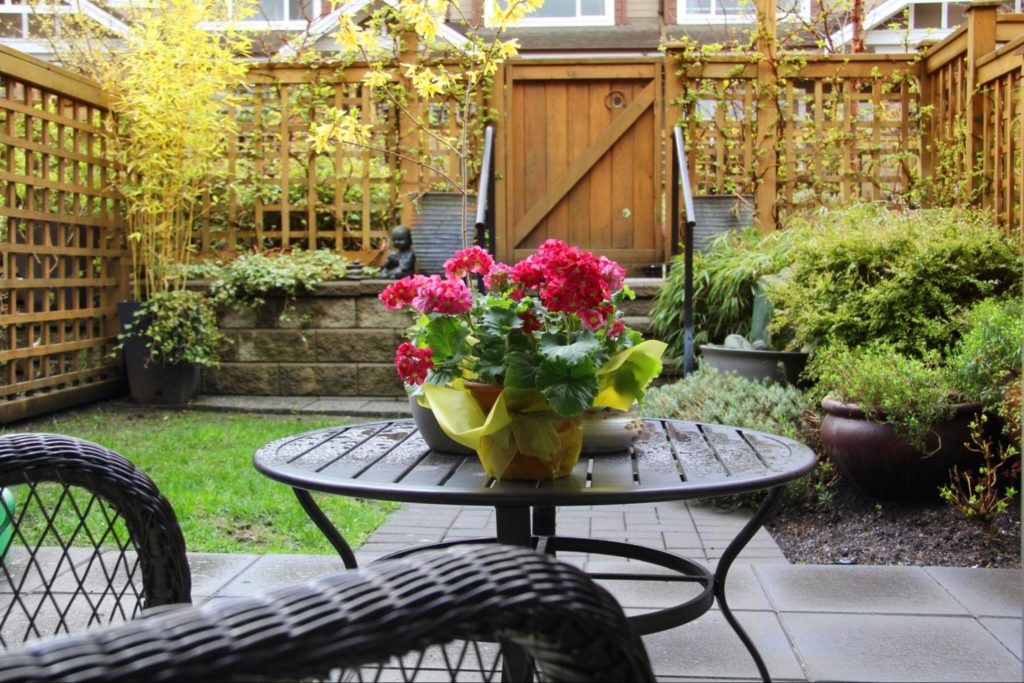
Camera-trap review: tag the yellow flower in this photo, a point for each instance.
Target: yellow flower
(377, 79)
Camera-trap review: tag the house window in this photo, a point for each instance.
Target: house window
(566, 13)
(291, 11)
(701, 10)
(943, 15)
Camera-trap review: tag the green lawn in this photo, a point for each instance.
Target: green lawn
(202, 462)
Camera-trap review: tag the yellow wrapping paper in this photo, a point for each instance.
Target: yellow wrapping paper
(627, 374)
(521, 421)
(520, 438)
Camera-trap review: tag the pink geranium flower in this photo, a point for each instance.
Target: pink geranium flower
(437, 295)
(413, 363)
(470, 260)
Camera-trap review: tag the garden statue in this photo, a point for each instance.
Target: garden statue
(402, 260)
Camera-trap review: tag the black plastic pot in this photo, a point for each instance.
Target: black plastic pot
(148, 381)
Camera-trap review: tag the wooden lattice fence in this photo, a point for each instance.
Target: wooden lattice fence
(974, 84)
(818, 130)
(61, 256)
(283, 194)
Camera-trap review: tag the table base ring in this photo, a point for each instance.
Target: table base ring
(683, 569)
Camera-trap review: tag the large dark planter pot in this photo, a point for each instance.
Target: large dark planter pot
(754, 363)
(882, 464)
(156, 383)
(432, 433)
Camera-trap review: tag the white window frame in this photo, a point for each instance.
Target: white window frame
(750, 16)
(607, 19)
(259, 20)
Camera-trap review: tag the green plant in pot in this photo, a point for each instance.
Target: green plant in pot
(170, 83)
(892, 425)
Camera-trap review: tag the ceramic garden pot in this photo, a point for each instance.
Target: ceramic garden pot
(883, 464)
(432, 433)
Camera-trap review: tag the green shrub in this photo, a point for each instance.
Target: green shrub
(182, 328)
(866, 274)
(988, 356)
(251, 278)
(725, 281)
(911, 394)
(709, 396)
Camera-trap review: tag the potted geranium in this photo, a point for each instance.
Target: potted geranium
(510, 368)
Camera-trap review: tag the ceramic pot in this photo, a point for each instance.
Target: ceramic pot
(432, 433)
(755, 363)
(505, 457)
(883, 464)
(606, 430)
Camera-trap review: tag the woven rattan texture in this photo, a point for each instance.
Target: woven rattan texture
(93, 539)
(570, 625)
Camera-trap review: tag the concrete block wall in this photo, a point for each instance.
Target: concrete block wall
(336, 341)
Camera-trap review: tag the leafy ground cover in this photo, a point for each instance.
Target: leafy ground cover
(202, 463)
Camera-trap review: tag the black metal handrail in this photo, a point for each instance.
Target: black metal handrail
(679, 157)
(485, 195)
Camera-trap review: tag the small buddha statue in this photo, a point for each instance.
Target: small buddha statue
(402, 259)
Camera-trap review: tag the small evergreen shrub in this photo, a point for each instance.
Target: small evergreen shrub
(911, 394)
(867, 274)
(709, 396)
(988, 355)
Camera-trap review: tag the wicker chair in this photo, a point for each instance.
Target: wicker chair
(89, 539)
(442, 614)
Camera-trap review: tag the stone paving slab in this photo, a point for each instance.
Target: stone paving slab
(856, 589)
(873, 647)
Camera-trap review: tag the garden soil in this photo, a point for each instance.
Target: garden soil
(858, 529)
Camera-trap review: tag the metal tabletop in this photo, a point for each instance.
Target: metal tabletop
(670, 460)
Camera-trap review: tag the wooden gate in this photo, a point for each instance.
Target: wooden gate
(579, 158)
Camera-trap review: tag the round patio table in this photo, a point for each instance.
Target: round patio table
(669, 461)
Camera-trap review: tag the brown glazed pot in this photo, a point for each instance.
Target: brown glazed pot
(882, 464)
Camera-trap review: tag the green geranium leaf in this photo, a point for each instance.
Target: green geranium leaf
(583, 347)
(446, 337)
(570, 388)
(521, 370)
(501, 319)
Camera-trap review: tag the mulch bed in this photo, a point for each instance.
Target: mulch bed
(858, 529)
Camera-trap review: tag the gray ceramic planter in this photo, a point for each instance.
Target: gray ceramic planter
(754, 363)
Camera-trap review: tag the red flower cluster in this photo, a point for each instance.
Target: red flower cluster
(569, 280)
(413, 363)
(428, 295)
(470, 260)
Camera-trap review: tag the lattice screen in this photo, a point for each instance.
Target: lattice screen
(60, 247)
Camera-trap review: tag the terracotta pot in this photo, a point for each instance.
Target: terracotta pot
(485, 394)
(883, 464)
(532, 467)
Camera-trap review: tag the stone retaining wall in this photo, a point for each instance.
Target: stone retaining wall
(336, 341)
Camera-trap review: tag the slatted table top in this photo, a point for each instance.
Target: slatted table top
(670, 460)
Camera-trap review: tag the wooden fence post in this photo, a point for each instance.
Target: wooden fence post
(981, 40)
(767, 118)
(408, 131)
(926, 99)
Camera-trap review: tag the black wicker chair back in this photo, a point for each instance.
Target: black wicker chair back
(543, 609)
(86, 538)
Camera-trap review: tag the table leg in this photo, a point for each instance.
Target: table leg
(731, 551)
(514, 529)
(325, 526)
(544, 520)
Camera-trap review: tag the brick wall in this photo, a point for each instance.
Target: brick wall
(337, 341)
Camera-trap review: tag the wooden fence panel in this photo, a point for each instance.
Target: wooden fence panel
(61, 251)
